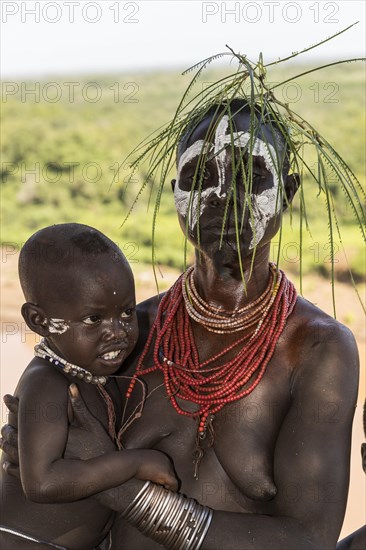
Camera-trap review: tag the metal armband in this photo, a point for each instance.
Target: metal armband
(171, 519)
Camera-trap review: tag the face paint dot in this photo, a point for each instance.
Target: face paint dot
(58, 326)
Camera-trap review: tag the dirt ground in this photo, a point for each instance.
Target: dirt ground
(17, 343)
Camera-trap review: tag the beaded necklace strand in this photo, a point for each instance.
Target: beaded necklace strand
(175, 352)
(45, 352)
(222, 321)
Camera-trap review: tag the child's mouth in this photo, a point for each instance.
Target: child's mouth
(110, 355)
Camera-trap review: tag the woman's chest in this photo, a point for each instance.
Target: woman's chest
(236, 456)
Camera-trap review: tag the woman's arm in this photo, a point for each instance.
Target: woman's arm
(232, 531)
(311, 460)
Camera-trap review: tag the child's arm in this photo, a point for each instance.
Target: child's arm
(43, 432)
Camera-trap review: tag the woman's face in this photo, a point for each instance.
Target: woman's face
(203, 211)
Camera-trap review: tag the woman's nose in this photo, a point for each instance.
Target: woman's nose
(215, 201)
(217, 198)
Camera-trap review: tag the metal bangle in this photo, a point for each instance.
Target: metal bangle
(156, 520)
(171, 519)
(137, 497)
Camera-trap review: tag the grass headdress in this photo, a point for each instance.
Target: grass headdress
(249, 84)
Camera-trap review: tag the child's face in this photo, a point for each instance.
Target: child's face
(91, 318)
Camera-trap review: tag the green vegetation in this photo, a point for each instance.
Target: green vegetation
(59, 159)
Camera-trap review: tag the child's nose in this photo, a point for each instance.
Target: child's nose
(115, 329)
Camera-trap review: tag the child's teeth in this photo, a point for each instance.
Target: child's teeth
(111, 355)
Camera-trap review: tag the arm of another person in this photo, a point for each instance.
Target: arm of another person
(43, 432)
(312, 455)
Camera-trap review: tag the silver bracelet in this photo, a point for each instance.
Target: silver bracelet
(171, 519)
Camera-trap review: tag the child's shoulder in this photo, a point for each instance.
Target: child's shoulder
(42, 377)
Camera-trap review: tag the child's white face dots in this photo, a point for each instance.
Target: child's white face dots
(57, 326)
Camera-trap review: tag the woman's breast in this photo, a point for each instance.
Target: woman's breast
(235, 472)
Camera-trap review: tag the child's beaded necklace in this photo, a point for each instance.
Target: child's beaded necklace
(45, 352)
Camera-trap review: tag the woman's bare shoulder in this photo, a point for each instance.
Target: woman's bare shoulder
(312, 325)
(147, 310)
(320, 347)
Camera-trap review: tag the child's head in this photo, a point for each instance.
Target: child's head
(80, 296)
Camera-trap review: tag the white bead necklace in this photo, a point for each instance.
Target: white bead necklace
(44, 352)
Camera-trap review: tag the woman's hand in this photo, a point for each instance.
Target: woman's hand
(9, 439)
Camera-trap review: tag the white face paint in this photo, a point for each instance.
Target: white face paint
(264, 205)
(58, 326)
(267, 204)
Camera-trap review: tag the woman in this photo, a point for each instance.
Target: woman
(251, 389)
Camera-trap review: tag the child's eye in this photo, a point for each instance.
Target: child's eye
(127, 312)
(91, 320)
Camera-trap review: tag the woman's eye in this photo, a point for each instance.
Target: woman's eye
(91, 320)
(127, 313)
(206, 175)
(259, 178)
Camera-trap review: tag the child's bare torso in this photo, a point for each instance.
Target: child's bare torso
(77, 525)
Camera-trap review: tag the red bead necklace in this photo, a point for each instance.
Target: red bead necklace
(176, 355)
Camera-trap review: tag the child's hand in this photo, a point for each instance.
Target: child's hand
(87, 438)
(157, 467)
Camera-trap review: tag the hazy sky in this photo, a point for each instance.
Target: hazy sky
(73, 37)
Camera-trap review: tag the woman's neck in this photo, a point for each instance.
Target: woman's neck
(221, 284)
